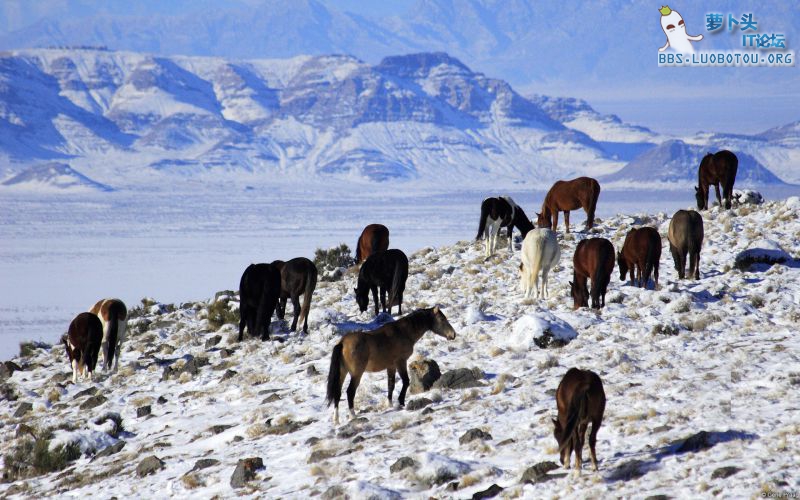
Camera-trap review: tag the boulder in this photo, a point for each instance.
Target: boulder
(473, 434)
(422, 374)
(542, 329)
(460, 378)
(149, 465)
(539, 473)
(245, 471)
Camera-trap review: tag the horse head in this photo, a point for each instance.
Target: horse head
(580, 295)
(362, 297)
(623, 266)
(543, 221)
(701, 200)
(441, 326)
(558, 433)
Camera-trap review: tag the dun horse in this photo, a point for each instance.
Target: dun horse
(715, 169)
(113, 315)
(374, 238)
(593, 258)
(386, 348)
(640, 254)
(569, 195)
(385, 270)
(259, 291)
(82, 342)
(497, 213)
(298, 277)
(540, 252)
(686, 237)
(581, 400)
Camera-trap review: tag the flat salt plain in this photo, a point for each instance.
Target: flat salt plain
(730, 370)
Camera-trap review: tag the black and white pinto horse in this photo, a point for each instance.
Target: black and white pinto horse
(497, 213)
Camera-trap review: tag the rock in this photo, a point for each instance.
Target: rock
(746, 197)
(7, 369)
(245, 471)
(110, 450)
(335, 492)
(490, 492)
(349, 430)
(539, 473)
(762, 251)
(192, 367)
(507, 441)
(237, 439)
(473, 434)
(225, 353)
(312, 441)
(22, 409)
(658, 497)
(542, 329)
(422, 375)
(143, 411)
(212, 341)
(204, 463)
(91, 391)
(695, 442)
(219, 429)
(311, 371)
(59, 378)
(320, 455)
(229, 374)
(428, 410)
(93, 402)
(403, 463)
(23, 429)
(7, 393)
(286, 427)
(418, 404)
(628, 470)
(149, 465)
(161, 400)
(271, 398)
(460, 378)
(724, 472)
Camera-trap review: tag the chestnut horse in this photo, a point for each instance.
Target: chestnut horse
(580, 399)
(569, 195)
(640, 254)
(374, 238)
(686, 237)
(593, 259)
(113, 315)
(497, 213)
(386, 348)
(715, 169)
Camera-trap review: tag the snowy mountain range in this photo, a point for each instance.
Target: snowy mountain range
(126, 119)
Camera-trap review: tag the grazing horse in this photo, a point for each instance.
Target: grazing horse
(113, 315)
(374, 238)
(497, 213)
(385, 270)
(540, 251)
(259, 291)
(715, 169)
(298, 277)
(386, 348)
(569, 195)
(580, 399)
(686, 237)
(640, 254)
(594, 259)
(82, 342)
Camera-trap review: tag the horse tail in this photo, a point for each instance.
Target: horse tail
(334, 393)
(649, 262)
(311, 284)
(594, 195)
(577, 413)
(114, 315)
(358, 251)
(482, 224)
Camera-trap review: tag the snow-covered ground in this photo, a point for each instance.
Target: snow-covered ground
(728, 368)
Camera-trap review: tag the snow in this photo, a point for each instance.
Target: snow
(727, 370)
(530, 327)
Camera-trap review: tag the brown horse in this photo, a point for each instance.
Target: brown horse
(686, 237)
(640, 254)
(298, 277)
(259, 292)
(82, 342)
(593, 259)
(374, 238)
(715, 169)
(113, 315)
(386, 348)
(580, 399)
(569, 195)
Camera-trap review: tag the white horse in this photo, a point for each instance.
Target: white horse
(540, 251)
(113, 315)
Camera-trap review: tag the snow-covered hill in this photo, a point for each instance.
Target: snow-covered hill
(54, 177)
(698, 377)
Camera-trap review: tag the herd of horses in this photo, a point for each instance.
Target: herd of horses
(265, 288)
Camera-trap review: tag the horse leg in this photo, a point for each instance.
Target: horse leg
(511, 238)
(593, 442)
(579, 438)
(296, 305)
(390, 373)
(544, 293)
(375, 299)
(355, 379)
(403, 371)
(566, 219)
(342, 374)
(694, 265)
(555, 220)
(384, 291)
(242, 321)
(716, 190)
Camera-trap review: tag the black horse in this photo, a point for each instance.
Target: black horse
(497, 213)
(259, 291)
(298, 277)
(387, 270)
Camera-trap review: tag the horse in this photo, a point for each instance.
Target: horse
(580, 399)
(298, 277)
(374, 238)
(593, 258)
(497, 213)
(82, 342)
(385, 270)
(385, 348)
(686, 236)
(259, 291)
(715, 169)
(640, 254)
(569, 195)
(112, 314)
(540, 251)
